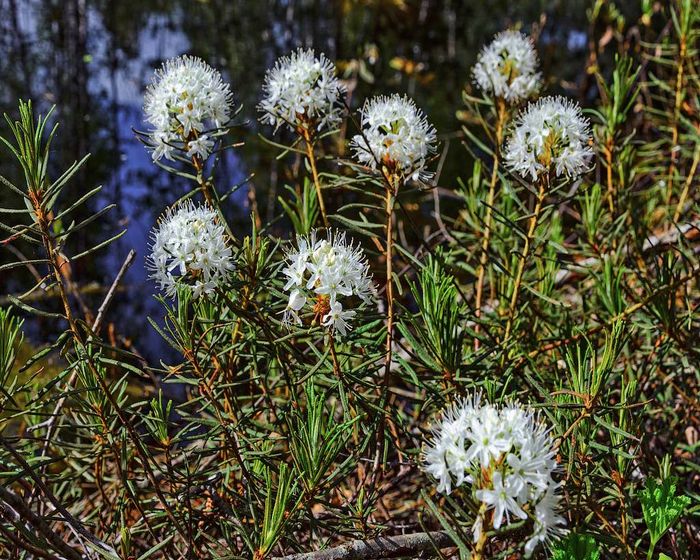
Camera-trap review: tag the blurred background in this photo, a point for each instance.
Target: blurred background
(93, 59)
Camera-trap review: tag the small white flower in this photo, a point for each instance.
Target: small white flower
(435, 459)
(201, 147)
(395, 135)
(506, 455)
(186, 100)
(323, 273)
(297, 300)
(501, 497)
(551, 136)
(548, 522)
(189, 249)
(446, 457)
(337, 319)
(161, 146)
(528, 472)
(302, 91)
(507, 68)
(487, 437)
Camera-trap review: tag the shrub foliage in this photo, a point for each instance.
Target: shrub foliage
(276, 432)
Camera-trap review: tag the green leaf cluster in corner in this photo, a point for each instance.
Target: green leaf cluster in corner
(661, 507)
(576, 547)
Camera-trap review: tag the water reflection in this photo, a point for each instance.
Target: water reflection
(93, 59)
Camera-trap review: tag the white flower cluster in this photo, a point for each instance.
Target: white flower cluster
(189, 248)
(551, 134)
(507, 457)
(302, 91)
(396, 135)
(507, 68)
(186, 103)
(320, 271)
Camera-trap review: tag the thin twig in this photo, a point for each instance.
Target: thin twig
(310, 156)
(522, 259)
(390, 193)
(23, 544)
(51, 421)
(483, 258)
(688, 182)
(23, 513)
(70, 520)
(128, 261)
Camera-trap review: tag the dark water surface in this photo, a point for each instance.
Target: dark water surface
(93, 59)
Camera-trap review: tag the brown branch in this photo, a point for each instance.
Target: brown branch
(22, 513)
(311, 158)
(391, 192)
(24, 545)
(522, 259)
(688, 183)
(67, 516)
(501, 115)
(381, 547)
(50, 423)
(128, 261)
(50, 247)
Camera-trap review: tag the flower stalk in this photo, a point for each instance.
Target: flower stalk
(204, 186)
(389, 256)
(677, 102)
(480, 545)
(524, 255)
(334, 356)
(311, 158)
(501, 114)
(612, 195)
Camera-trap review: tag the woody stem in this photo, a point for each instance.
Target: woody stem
(522, 258)
(334, 356)
(483, 260)
(198, 164)
(392, 188)
(478, 553)
(310, 156)
(389, 279)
